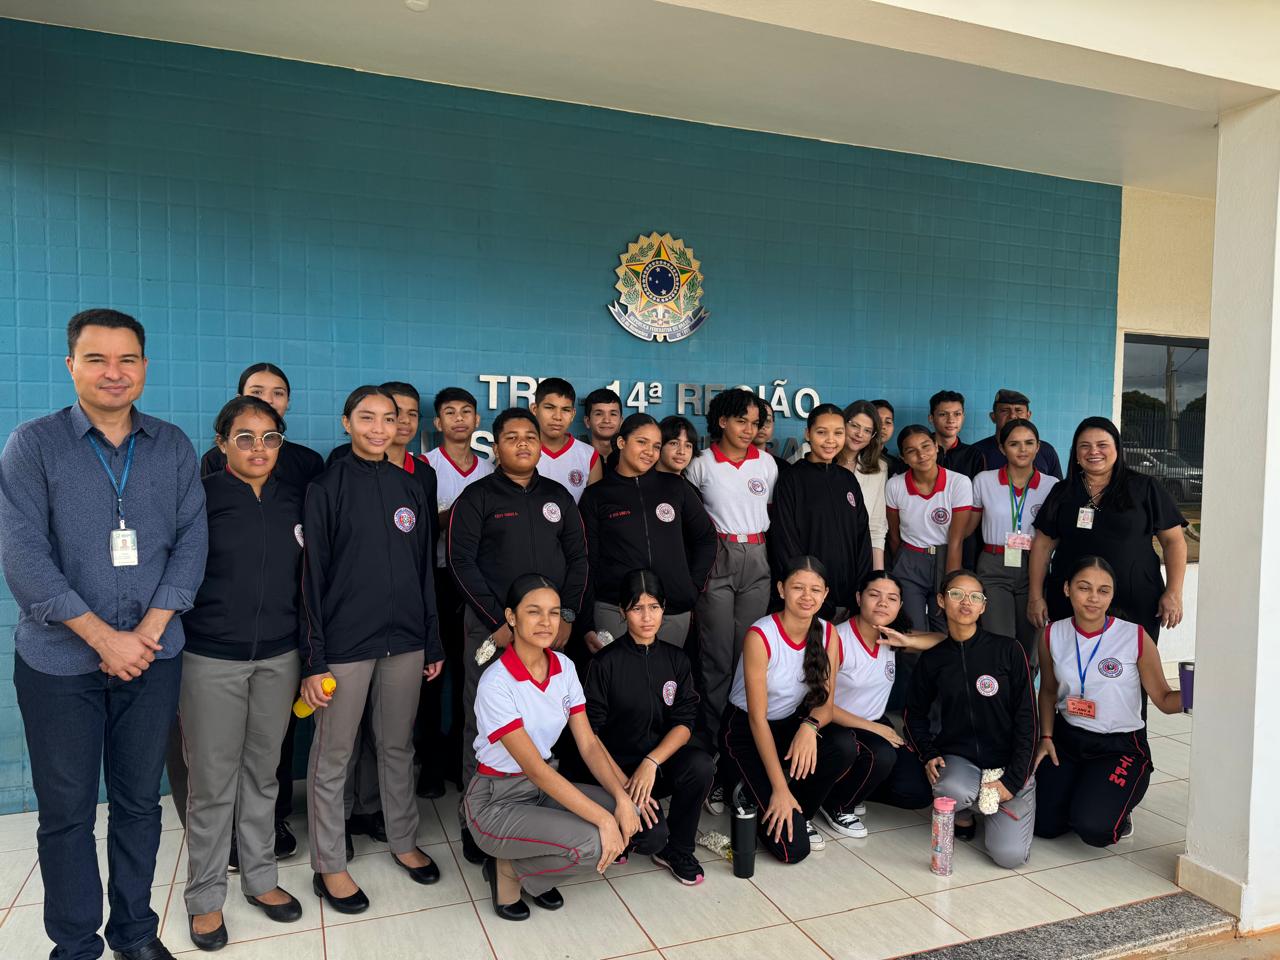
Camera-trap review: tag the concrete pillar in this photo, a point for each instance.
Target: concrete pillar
(1233, 830)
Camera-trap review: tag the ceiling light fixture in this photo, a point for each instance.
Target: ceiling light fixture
(417, 6)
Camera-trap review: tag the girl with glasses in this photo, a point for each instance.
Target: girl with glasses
(240, 671)
(1094, 669)
(980, 684)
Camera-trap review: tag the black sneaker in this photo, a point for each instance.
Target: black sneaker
(683, 866)
(286, 842)
(470, 851)
(1126, 828)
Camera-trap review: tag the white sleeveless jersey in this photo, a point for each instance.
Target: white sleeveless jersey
(450, 482)
(1111, 680)
(866, 674)
(785, 677)
(570, 467)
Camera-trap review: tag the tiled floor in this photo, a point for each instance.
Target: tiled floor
(856, 900)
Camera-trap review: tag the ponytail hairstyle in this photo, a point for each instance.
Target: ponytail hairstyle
(636, 584)
(869, 457)
(817, 668)
(902, 622)
(524, 585)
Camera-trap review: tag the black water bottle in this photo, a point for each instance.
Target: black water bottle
(743, 835)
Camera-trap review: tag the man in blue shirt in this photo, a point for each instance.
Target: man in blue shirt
(1011, 405)
(102, 541)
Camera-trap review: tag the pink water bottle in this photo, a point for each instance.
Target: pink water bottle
(944, 835)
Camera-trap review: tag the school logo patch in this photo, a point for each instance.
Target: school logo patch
(405, 520)
(988, 685)
(853, 501)
(576, 478)
(297, 534)
(1110, 668)
(940, 515)
(564, 702)
(551, 511)
(1035, 509)
(660, 289)
(890, 670)
(669, 692)
(757, 486)
(666, 512)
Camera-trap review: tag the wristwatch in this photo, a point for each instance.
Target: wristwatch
(567, 614)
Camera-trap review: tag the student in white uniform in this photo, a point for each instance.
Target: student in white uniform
(571, 463)
(1006, 501)
(868, 665)
(536, 828)
(736, 481)
(457, 467)
(1094, 668)
(926, 531)
(777, 728)
(864, 455)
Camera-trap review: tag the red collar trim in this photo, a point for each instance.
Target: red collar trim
(408, 462)
(1032, 484)
(515, 666)
(1096, 633)
(568, 445)
(938, 487)
(753, 453)
(873, 651)
(790, 643)
(475, 462)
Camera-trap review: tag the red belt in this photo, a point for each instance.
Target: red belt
(914, 549)
(992, 548)
(742, 537)
(490, 772)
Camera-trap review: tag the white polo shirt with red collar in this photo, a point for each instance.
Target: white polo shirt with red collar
(736, 492)
(570, 466)
(991, 499)
(924, 521)
(508, 698)
(451, 480)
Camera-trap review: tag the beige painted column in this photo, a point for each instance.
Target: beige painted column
(1233, 830)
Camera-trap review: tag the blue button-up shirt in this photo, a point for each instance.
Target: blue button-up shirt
(57, 511)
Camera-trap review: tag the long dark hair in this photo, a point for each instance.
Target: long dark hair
(902, 622)
(817, 668)
(1117, 489)
(869, 457)
(636, 584)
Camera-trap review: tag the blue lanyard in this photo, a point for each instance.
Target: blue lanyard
(1016, 505)
(1085, 669)
(117, 485)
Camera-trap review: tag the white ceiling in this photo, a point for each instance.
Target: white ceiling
(792, 76)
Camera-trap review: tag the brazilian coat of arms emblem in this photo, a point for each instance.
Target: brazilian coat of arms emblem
(660, 288)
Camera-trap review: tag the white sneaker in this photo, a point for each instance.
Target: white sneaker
(845, 824)
(816, 840)
(714, 804)
(860, 810)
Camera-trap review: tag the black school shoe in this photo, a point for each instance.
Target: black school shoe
(279, 912)
(471, 852)
(155, 950)
(507, 911)
(356, 903)
(286, 842)
(553, 899)
(213, 940)
(425, 875)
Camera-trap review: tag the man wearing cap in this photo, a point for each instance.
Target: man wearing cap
(1009, 405)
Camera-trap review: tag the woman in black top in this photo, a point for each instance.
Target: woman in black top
(240, 669)
(642, 705)
(295, 464)
(370, 628)
(818, 511)
(637, 517)
(1106, 510)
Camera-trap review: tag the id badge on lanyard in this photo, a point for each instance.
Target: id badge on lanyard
(1081, 706)
(123, 542)
(1015, 542)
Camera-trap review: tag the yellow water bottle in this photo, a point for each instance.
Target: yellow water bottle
(300, 708)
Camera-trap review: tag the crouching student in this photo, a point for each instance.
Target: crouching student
(1094, 669)
(642, 705)
(370, 627)
(868, 665)
(982, 686)
(535, 827)
(775, 728)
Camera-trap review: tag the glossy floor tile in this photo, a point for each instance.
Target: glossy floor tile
(1100, 884)
(884, 930)
(986, 909)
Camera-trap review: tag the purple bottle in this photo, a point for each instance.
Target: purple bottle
(944, 835)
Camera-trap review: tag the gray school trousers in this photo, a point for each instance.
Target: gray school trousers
(233, 715)
(1006, 590)
(921, 575)
(674, 629)
(736, 596)
(1008, 840)
(391, 686)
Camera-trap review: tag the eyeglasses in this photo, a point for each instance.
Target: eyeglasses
(247, 441)
(959, 595)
